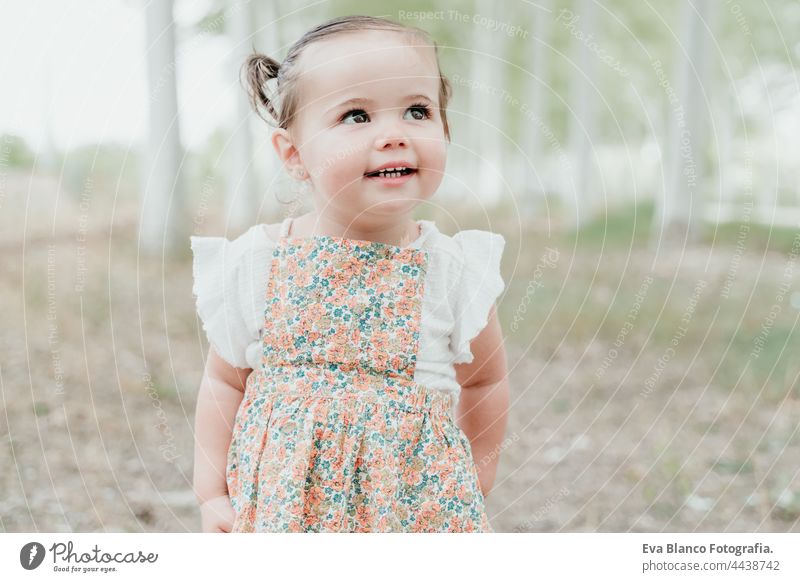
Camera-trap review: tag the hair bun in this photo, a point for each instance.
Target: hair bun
(257, 70)
(265, 67)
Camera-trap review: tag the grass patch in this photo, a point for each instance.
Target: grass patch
(622, 226)
(630, 225)
(756, 237)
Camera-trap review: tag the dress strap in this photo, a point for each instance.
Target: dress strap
(285, 226)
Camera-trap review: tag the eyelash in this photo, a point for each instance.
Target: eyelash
(425, 109)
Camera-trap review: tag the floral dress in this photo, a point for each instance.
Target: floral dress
(333, 434)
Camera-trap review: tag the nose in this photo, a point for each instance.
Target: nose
(391, 137)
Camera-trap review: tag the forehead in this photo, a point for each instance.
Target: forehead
(375, 61)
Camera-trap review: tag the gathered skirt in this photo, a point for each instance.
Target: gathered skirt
(329, 449)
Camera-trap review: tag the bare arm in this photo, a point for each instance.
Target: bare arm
(482, 410)
(221, 392)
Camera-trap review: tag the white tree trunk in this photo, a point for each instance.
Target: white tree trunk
(581, 191)
(242, 198)
(488, 110)
(532, 184)
(271, 176)
(680, 209)
(162, 187)
(48, 160)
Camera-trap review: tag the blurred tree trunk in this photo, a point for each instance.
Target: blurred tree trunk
(49, 159)
(242, 196)
(583, 96)
(270, 35)
(293, 24)
(678, 216)
(723, 142)
(488, 109)
(533, 175)
(162, 186)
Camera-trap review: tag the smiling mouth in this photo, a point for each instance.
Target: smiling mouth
(391, 173)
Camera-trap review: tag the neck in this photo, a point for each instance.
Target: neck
(398, 233)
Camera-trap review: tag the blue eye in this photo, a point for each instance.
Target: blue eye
(356, 115)
(419, 112)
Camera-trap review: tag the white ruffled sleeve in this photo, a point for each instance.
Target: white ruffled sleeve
(479, 285)
(229, 286)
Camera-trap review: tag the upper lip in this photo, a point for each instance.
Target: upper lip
(394, 164)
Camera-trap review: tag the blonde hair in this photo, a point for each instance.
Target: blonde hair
(258, 69)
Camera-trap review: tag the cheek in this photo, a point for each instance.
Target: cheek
(435, 155)
(339, 180)
(343, 175)
(338, 162)
(435, 160)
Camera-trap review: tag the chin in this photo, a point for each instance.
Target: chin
(392, 206)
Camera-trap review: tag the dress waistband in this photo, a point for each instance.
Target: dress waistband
(335, 381)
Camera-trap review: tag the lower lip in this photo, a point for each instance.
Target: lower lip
(391, 181)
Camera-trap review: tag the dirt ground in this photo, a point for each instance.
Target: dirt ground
(102, 355)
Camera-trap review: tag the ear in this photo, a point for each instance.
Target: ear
(288, 153)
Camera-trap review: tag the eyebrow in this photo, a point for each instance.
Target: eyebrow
(361, 101)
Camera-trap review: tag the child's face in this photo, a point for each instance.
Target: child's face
(369, 100)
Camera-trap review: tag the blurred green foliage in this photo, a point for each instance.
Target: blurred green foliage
(15, 152)
(108, 167)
